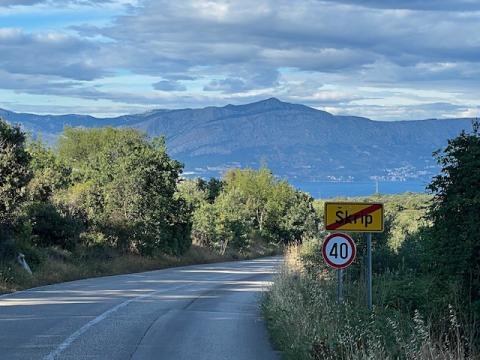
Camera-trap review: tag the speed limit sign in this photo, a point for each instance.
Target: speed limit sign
(339, 250)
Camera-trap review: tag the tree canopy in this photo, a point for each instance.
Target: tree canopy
(453, 245)
(14, 174)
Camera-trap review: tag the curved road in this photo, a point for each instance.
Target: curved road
(195, 312)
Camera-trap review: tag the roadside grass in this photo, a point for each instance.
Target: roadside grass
(305, 322)
(53, 265)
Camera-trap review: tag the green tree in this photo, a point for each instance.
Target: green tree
(255, 206)
(453, 247)
(95, 153)
(204, 226)
(14, 175)
(300, 220)
(233, 223)
(50, 174)
(193, 192)
(255, 187)
(127, 185)
(53, 223)
(212, 188)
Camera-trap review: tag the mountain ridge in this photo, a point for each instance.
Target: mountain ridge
(296, 141)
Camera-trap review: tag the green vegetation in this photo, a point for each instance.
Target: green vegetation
(453, 241)
(107, 201)
(426, 278)
(252, 205)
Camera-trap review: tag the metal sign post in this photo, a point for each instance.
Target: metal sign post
(339, 251)
(369, 271)
(354, 217)
(339, 286)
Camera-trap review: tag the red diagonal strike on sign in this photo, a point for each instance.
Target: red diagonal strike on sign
(354, 216)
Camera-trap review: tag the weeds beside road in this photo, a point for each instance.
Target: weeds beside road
(305, 322)
(61, 265)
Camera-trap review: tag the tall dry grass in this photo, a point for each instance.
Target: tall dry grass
(60, 265)
(306, 323)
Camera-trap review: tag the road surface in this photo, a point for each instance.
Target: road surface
(195, 312)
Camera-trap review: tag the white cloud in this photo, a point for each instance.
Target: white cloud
(51, 53)
(169, 85)
(324, 53)
(473, 112)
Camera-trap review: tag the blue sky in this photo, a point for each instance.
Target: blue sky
(383, 59)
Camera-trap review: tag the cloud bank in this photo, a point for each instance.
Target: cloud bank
(230, 51)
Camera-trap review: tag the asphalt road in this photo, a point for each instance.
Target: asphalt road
(196, 312)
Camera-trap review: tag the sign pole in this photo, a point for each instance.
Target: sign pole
(363, 217)
(340, 286)
(339, 251)
(369, 270)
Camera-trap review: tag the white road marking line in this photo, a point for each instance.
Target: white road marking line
(67, 342)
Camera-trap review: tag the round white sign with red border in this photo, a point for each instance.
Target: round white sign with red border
(339, 250)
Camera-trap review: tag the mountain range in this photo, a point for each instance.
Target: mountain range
(297, 142)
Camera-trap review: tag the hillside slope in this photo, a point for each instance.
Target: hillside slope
(296, 141)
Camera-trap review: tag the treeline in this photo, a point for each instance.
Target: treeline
(101, 187)
(118, 190)
(251, 206)
(426, 284)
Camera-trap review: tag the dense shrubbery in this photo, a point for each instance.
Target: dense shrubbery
(453, 240)
(426, 267)
(126, 184)
(105, 189)
(115, 187)
(251, 205)
(15, 174)
(307, 323)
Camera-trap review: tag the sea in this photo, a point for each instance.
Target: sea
(327, 189)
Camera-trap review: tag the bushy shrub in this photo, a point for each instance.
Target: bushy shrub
(306, 322)
(14, 176)
(52, 227)
(453, 241)
(250, 206)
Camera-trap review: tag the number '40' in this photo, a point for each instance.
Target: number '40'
(343, 253)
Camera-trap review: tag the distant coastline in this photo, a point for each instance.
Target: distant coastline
(327, 189)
